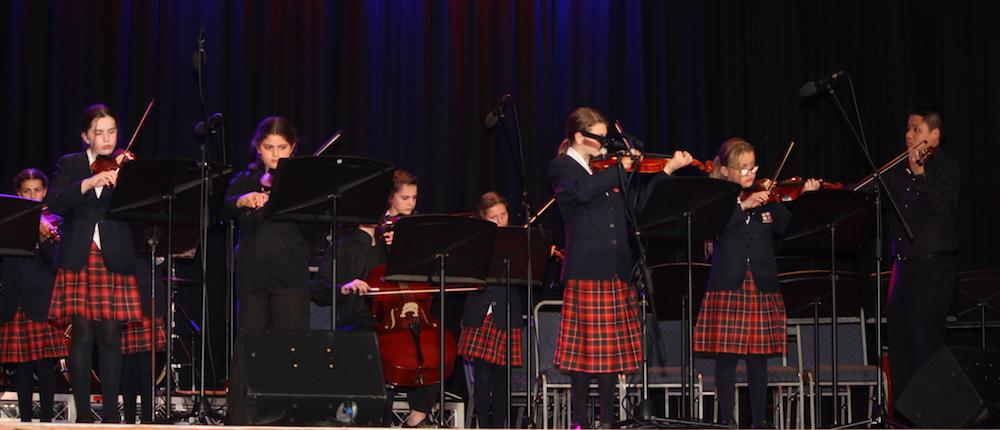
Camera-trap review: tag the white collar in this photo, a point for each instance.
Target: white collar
(572, 153)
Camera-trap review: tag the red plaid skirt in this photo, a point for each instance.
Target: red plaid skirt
(490, 343)
(23, 340)
(135, 336)
(95, 293)
(599, 331)
(744, 321)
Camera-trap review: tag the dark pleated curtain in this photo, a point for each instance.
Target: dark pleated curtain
(410, 82)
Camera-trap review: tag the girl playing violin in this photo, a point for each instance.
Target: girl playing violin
(272, 258)
(599, 332)
(27, 336)
(95, 283)
(743, 314)
(485, 329)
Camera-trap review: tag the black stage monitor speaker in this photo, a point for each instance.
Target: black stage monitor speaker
(306, 377)
(957, 388)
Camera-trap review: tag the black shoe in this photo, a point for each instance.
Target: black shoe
(765, 424)
(731, 424)
(426, 422)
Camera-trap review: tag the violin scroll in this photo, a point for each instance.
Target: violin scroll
(926, 155)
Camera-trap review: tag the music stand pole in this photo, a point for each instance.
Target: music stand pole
(510, 250)
(689, 208)
(420, 241)
(878, 413)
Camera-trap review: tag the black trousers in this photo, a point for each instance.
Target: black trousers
(919, 297)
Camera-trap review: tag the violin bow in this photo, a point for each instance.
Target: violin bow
(139, 127)
(781, 165)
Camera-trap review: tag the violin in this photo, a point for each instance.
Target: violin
(409, 336)
(925, 156)
(785, 191)
(49, 228)
(104, 163)
(650, 163)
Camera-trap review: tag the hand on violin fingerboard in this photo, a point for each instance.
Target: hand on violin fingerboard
(755, 200)
(680, 159)
(811, 185)
(107, 178)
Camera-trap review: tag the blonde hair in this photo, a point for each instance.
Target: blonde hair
(730, 153)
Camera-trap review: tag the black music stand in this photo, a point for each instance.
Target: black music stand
(330, 189)
(691, 208)
(832, 218)
(509, 266)
(165, 190)
(977, 299)
(421, 247)
(19, 218)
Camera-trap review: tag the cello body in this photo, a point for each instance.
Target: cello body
(409, 336)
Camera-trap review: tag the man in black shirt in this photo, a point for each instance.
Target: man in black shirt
(923, 273)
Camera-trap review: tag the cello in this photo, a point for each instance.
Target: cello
(409, 336)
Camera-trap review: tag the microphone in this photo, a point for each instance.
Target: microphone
(198, 58)
(199, 129)
(812, 87)
(497, 112)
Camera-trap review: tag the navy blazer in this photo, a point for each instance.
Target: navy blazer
(81, 212)
(742, 241)
(593, 212)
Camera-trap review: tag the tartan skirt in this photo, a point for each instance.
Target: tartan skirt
(599, 331)
(23, 340)
(135, 336)
(744, 321)
(490, 343)
(95, 293)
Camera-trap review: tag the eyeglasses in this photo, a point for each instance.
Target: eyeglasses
(603, 140)
(747, 171)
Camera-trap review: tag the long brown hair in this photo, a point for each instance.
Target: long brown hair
(580, 120)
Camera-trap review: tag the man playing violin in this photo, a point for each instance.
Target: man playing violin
(923, 273)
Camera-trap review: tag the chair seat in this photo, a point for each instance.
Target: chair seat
(557, 376)
(660, 375)
(846, 375)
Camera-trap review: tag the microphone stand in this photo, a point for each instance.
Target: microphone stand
(881, 191)
(643, 411)
(526, 205)
(202, 410)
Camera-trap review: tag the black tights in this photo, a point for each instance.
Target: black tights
(580, 391)
(45, 369)
(725, 384)
(490, 392)
(107, 333)
(137, 375)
